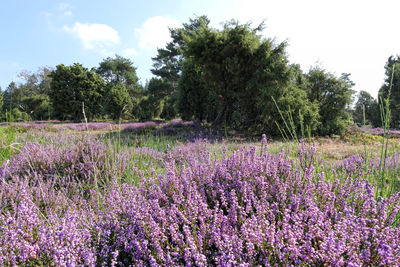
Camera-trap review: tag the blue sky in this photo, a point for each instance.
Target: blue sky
(354, 36)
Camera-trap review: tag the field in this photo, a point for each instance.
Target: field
(173, 194)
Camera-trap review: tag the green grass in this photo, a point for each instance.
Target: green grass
(8, 144)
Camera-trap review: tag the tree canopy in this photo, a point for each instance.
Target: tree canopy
(334, 96)
(391, 89)
(71, 86)
(368, 105)
(243, 69)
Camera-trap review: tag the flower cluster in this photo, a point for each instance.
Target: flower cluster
(251, 210)
(81, 160)
(136, 126)
(240, 208)
(41, 229)
(94, 126)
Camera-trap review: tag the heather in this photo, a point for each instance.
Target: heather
(84, 199)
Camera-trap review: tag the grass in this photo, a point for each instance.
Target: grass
(144, 163)
(8, 144)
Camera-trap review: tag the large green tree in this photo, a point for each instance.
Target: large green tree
(244, 70)
(167, 66)
(392, 70)
(334, 97)
(119, 73)
(120, 70)
(195, 100)
(71, 86)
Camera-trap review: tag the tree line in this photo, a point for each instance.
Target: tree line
(230, 77)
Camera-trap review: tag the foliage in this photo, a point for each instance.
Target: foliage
(119, 70)
(1, 99)
(298, 116)
(29, 96)
(144, 111)
(168, 66)
(8, 146)
(334, 96)
(158, 93)
(38, 106)
(195, 99)
(244, 70)
(9, 99)
(392, 68)
(120, 74)
(118, 101)
(366, 102)
(16, 115)
(71, 86)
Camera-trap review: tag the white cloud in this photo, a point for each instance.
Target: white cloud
(154, 32)
(65, 9)
(64, 6)
(99, 37)
(129, 52)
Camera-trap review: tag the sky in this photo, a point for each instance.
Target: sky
(341, 36)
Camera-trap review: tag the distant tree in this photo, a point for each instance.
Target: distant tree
(44, 80)
(156, 91)
(296, 108)
(118, 101)
(119, 73)
(392, 67)
(38, 106)
(370, 105)
(334, 96)
(1, 99)
(73, 85)
(120, 70)
(32, 88)
(9, 99)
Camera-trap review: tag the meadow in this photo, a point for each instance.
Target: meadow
(177, 193)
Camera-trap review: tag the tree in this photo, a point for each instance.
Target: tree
(334, 96)
(366, 102)
(44, 80)
(195, 100)
(243, 69)
(9, 101)
(71, 86)
(32, 89)
(168, 65)
(118, 101)
(120, 70)
(392, 69)
(119, 73)
(37, 106)
(157, 91)
(1, 99)
(300, 114)
(168, 62)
